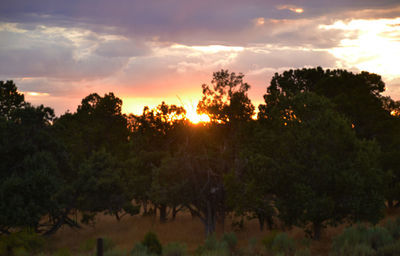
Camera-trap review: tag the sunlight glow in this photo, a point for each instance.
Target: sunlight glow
(260, 21)
(210, 48)
(370, 45)
(36, 94)
(196, 118)
(291, 8)
(136, 105)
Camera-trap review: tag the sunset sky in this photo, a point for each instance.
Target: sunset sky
(149, 51)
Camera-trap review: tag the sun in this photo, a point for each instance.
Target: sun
(195, 118)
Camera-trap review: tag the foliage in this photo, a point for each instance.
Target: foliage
(25, 240)
(226, 100)
(63, 252)
(357, 97)
(303, 252)
(363, 240)
(31, 163)
(115, 252)
(324, 150)
(151, 242)
(108, 244)
(140, 250)
(230, 239)
(319, 179)
(88, 245)
(280, 243)
(175, 249)
(10, 99)
(213, 247)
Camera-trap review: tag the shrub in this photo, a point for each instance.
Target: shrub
(175, 249)
(213, 247)
(63, 252)
(303, 252)
(152, 243)
(389, 249)
(139, 250)
(20, 252)
(394, 228)
(88, 245)
(268, 239)
(231, 240)
(108, 244)
(252, 248)
(361, 240)
(25, 240)
(115, 252)
(282, 243)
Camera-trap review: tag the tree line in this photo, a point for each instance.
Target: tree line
(323, 150)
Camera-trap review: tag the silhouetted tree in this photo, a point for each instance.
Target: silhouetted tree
(358, 97)
(31, 162)
(96, 138)
(156, 135)
(323, 173)
(10, 99)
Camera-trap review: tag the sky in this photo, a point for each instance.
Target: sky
(149, 51)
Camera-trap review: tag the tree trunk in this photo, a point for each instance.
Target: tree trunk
(209, 219)
(270, 222)
(145, 210)
(317, 228)
(163, 213)
(174, 212)
(261, 219)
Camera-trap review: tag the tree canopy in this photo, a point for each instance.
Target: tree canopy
(323, 150)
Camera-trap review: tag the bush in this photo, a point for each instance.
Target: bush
(213, 247)
(303, 252)
(268, 239)
(108, 244)
(139, 250)
(175, 249)
(389, 249)
(282, 243)
(252, 248)
(152, 243)
(231, 240)
(361, 240)
(394, 228)
(63, 252)
(25, 240)
(88, 245)
(115, 252)
(20, 252)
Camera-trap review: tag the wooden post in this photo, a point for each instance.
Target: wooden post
(99, 246)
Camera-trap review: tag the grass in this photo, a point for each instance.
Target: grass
(131, 230)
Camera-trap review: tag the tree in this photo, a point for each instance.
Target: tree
(31, 161)
(358, 97)
(323, 173)
(103, 186)
(226, 100)
(96, 138)
(212, 150)
(156, 135)
(10, 99)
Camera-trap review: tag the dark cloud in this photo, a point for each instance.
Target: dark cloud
(195, 22)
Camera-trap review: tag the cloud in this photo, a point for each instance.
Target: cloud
(291, 8)
(64, 53)
(186, 22)
(161, 49)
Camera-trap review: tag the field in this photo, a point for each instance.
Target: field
(130, 230)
